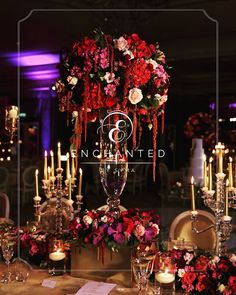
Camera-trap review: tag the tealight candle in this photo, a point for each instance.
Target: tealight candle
(165, 277)
(57, 255)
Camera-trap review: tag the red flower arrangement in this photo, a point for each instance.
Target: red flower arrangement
(100, 228)
(205, 275)
(201, 125)
(125, 73)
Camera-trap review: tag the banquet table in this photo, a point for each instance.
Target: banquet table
(65, 285)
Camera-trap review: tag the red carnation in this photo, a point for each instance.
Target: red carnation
(142, 111)
(140, 73)
(89, 45)
(232, 282)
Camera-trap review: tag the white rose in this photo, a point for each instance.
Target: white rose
(72, 80)
(75, 114)
(181, 272)
(156, 227)
(104, 218)
(87, 219)
(161, 99)
(135, 95)
(109, 77)
(152, 62)
(129, 53)
(121, 43)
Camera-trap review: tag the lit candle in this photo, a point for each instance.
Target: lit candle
(193, 194)
(36, 182)
(210, 173)
(80, 181)
(45, 164)
(219, 151)
(72, 167)
(67, 165)
(52, 163)
(59, 155)
(69, 194)
(165, 277)
(204, 171)
(227, 198)
(230, 170)
(57, 256)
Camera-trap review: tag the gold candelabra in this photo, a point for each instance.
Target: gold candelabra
(218, 198)
(55, 188)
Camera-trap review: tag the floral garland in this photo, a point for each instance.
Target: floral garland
(125, 73)
(100, 228)
(201, 125)
(204, 275)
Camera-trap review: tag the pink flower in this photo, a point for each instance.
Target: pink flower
(139, 230)
(188, 257)
(233, 259)
(121, 44)
(135, 95)
(109, 77)
(110, 90)
(156, 228)
(104, 58)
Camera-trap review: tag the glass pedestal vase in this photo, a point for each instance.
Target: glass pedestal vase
(113, 170)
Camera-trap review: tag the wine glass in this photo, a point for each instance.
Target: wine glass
(7, 251)
(113, 157)
(142, 267)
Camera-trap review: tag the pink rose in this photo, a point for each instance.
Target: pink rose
(109, 77)
(139, 230)
(121, 43)
(153, 63)
(135, 95)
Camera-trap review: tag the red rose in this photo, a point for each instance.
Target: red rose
(89, 45)
(200, 286)
(201, 263)
(143, 50)
(140, 74)
(232, 282)
(142, 111)
(188, 278)
(110, 101)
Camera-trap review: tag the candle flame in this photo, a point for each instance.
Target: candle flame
(36, 172)
(45, 153)
(59, 145)
(51, 153)
(211, 159)
(227, 182)
(80, 171)
(192, 180)
(230, 159)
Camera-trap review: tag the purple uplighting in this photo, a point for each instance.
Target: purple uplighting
(42, 75)
(232, 105)
(31, 58)
(212, 105)
(41, 89)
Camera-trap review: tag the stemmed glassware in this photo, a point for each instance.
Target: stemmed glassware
(7, 251)
(113, 157)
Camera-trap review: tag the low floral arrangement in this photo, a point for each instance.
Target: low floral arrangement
(100, 228)
(205, 275)
(103, 72)
(201, 125)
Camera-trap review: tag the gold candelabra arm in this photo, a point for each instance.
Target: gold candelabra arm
(194, 218)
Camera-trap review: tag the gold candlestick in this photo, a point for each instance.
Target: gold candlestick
(193, 194)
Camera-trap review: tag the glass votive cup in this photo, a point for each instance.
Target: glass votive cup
(165, 275)
(57, 257)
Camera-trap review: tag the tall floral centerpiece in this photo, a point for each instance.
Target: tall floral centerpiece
(124, 73)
